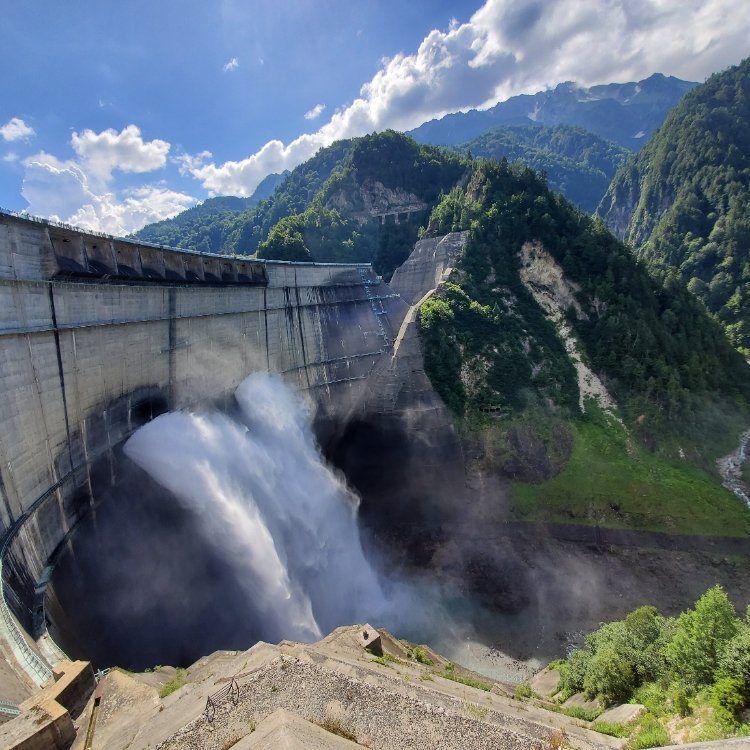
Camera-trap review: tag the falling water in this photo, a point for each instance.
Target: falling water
(265, 500)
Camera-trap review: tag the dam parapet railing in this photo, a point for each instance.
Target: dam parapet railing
(85, 254)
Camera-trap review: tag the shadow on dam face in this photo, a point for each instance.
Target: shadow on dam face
(138, 585)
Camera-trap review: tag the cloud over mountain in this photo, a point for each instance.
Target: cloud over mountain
(508, 48)
(79, 191)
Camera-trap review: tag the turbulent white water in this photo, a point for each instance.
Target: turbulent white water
(266, 500)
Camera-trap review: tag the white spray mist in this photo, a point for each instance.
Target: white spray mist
(268, 502)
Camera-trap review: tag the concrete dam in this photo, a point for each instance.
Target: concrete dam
(99, 335)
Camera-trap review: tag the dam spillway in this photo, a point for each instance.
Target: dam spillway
(100, 334)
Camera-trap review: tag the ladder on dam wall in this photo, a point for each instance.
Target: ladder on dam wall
(376, 304)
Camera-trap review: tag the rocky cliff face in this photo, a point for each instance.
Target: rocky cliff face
(373, 199)
(555, 294)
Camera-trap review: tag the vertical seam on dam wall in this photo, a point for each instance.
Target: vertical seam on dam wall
(301, 331)
(172, 342)
(61, 373)
(6, 498)
(265, 326)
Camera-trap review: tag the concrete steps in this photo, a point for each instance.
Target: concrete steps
(387, 702)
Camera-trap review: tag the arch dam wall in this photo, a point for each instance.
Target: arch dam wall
(98, 335)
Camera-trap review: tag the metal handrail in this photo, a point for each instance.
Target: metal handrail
(36, 667)
(230, 691)
(9, 709)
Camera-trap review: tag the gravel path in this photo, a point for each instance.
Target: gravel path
(407, 716)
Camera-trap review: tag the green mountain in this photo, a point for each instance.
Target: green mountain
(577, 163)
(208, 226)
(211, 228)
(626, 113)
(684, 200)
(597, 393)
(328, 209)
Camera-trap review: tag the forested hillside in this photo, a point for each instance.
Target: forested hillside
(328, 209)
(684, 200)
(240, 232)
(577, 163)
(676, 393)
(207, 227)
(500, 365)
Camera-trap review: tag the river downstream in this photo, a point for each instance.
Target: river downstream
(730, 468)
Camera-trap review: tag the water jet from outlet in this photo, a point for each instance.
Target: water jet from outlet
(265, 500)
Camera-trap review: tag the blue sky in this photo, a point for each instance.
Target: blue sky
(116, 114)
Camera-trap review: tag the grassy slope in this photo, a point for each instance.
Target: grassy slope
(612, 481)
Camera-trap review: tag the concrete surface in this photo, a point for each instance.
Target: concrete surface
(98, 335)
(399, 704)
(623, 714)
(46, 719)
(283, 730)
(579, 700)
(545, 683)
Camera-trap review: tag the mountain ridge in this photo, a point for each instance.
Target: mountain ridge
(683, 202)
(626, 113)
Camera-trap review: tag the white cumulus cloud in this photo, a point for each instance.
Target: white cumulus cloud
(101, 153)
(315, 112)
(16, 130)
(233, 64)
(508, 48)
(189, 162)
(132, 210)
(79, 191)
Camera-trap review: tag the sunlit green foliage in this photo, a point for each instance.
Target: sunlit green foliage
(674, 668)
(577, 163)
(686, 196)
(701, 637)
(665, 361)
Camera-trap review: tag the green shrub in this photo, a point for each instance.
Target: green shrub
(701, 636)
(728, 699)
(573, 673)
(653, 697)
(584, 714)
(524, 690)
(449, 673)
(174, 684)
(419, 654)
(650, 733)
(613, 729)
(681, 703)
(609, 676)
(735, 661)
